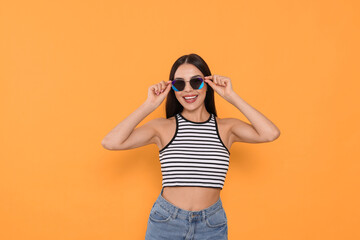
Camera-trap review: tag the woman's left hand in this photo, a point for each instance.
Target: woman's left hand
(221, 85)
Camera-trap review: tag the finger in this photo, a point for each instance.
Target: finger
(220, 80)
(215, 79)
(153, 89)
(223, 82)
(168, 87)
(162, 86)
(157, 89)
(208, 81)
(223, 78)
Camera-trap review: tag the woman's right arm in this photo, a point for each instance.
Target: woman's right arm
(125, 135)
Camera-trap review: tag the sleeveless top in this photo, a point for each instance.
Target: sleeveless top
(195, 156)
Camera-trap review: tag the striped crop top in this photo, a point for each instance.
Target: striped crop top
(195, 156)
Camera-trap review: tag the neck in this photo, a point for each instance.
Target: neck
(196, 115)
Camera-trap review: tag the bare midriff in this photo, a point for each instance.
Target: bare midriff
(191, 198)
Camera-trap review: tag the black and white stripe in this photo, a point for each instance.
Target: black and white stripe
(195, 156)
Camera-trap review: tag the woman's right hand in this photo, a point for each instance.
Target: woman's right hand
(158, 92)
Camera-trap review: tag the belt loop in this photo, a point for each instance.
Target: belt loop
(203, 215)
(174, 213)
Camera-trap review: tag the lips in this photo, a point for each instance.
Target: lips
(191, 100)
(189, 95)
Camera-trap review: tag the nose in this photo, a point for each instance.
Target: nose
(188, 87)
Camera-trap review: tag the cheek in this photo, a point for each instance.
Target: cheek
(203, 91)
(179, 98)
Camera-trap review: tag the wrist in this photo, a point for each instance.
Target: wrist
(149, 105)
(230, 98)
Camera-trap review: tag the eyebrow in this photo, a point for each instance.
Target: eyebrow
(190, 78)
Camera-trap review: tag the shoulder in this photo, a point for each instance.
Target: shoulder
(161, 122)
(230, 122)
(233, 126)
(241, 131)
(225, 122)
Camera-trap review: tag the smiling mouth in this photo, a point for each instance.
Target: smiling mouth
(191, 99)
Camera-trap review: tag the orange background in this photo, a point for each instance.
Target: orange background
(72, 70)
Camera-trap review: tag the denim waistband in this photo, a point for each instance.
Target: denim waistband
(185, 214)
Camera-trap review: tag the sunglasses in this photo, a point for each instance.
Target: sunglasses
(179, 85)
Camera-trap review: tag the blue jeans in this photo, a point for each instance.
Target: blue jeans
(168, 222)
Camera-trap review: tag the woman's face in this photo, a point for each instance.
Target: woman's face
(186, 72)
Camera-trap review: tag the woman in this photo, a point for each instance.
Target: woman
(193, 145)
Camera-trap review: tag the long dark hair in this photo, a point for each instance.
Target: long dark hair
(173, 106)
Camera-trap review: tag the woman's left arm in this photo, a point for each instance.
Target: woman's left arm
(261, 128)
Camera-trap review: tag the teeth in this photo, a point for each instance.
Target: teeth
(190, 97)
